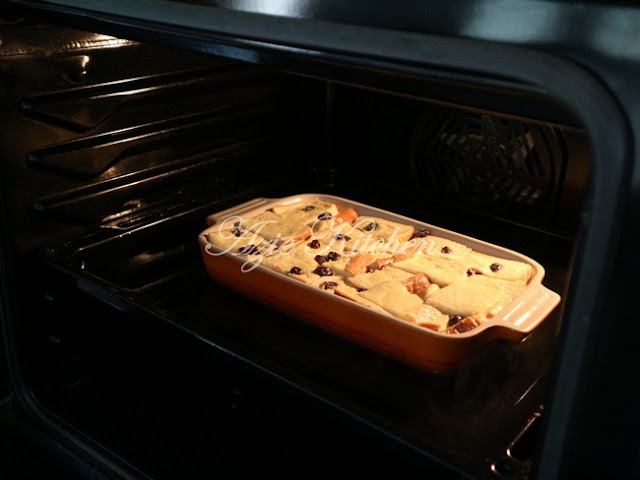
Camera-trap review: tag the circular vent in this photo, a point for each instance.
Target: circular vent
(493, 164)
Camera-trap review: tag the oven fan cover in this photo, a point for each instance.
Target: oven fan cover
(500, 166)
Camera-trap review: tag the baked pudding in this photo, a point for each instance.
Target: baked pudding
(388, 266)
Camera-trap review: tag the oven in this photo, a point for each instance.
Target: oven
(125, 125)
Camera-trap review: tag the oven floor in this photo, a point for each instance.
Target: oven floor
(26, 454)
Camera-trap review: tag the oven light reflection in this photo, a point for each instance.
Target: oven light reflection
(530, 22)
(286, 8)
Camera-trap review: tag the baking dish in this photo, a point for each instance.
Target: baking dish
(412, 344)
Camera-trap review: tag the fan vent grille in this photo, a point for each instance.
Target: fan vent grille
(498, 165)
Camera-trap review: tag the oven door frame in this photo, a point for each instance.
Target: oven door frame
(301, 44)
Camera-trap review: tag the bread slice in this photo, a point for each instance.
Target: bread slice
(237, 240)
(332, 255)
(384, 229)
(348, 292)
(298, 262)
(500, 268)
(328, 284)
(443, 247)
(511, 288)
(275, 228)
(347, 238)
(336, 259)
(316, 214)
(368, 280)
(467, 298)
(395, 299)
(308, 210)
(442, 271)
(410, 247)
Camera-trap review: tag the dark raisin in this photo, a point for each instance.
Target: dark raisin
(420, 233)
(333, 256)
(315, 244)
(320, 259)
(445, 250)
(462, 327)
(371, 226)
(473, 271)
(323, 271)
(453, 320)
(371, 268)
(308, 208)
(495, 267)
(249, 250)
(362, 289)
(238, 232)
(325, 216)
(296, 270)
(328, 285)
(269, 210)
(342, 236)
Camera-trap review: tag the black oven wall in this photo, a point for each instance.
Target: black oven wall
(114, 152)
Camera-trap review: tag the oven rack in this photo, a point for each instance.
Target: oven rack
(464, 417)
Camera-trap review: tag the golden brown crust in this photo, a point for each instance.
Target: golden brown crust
(418, 285)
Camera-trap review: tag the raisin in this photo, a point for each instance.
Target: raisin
(249, 250)
(362, 289)
(372, 226)
(323, 271)
(453, 320)
(238, 232)
(420, 233)
(445, 250)
(342, 236)
(320, 259)
(308, 208)
(463, 327)
(371, 268)
(328, 285)
(296, 270)
(315, 244)
(473, 271)
(325, 216)
(495, 267)
(269, 210)
(332, 256)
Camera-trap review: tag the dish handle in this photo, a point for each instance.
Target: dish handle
(526, 312)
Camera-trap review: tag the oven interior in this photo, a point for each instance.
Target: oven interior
(114, 152)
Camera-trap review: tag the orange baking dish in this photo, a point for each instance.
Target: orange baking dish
(416, 345)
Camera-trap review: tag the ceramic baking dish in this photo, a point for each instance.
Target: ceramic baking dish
(410, 343)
